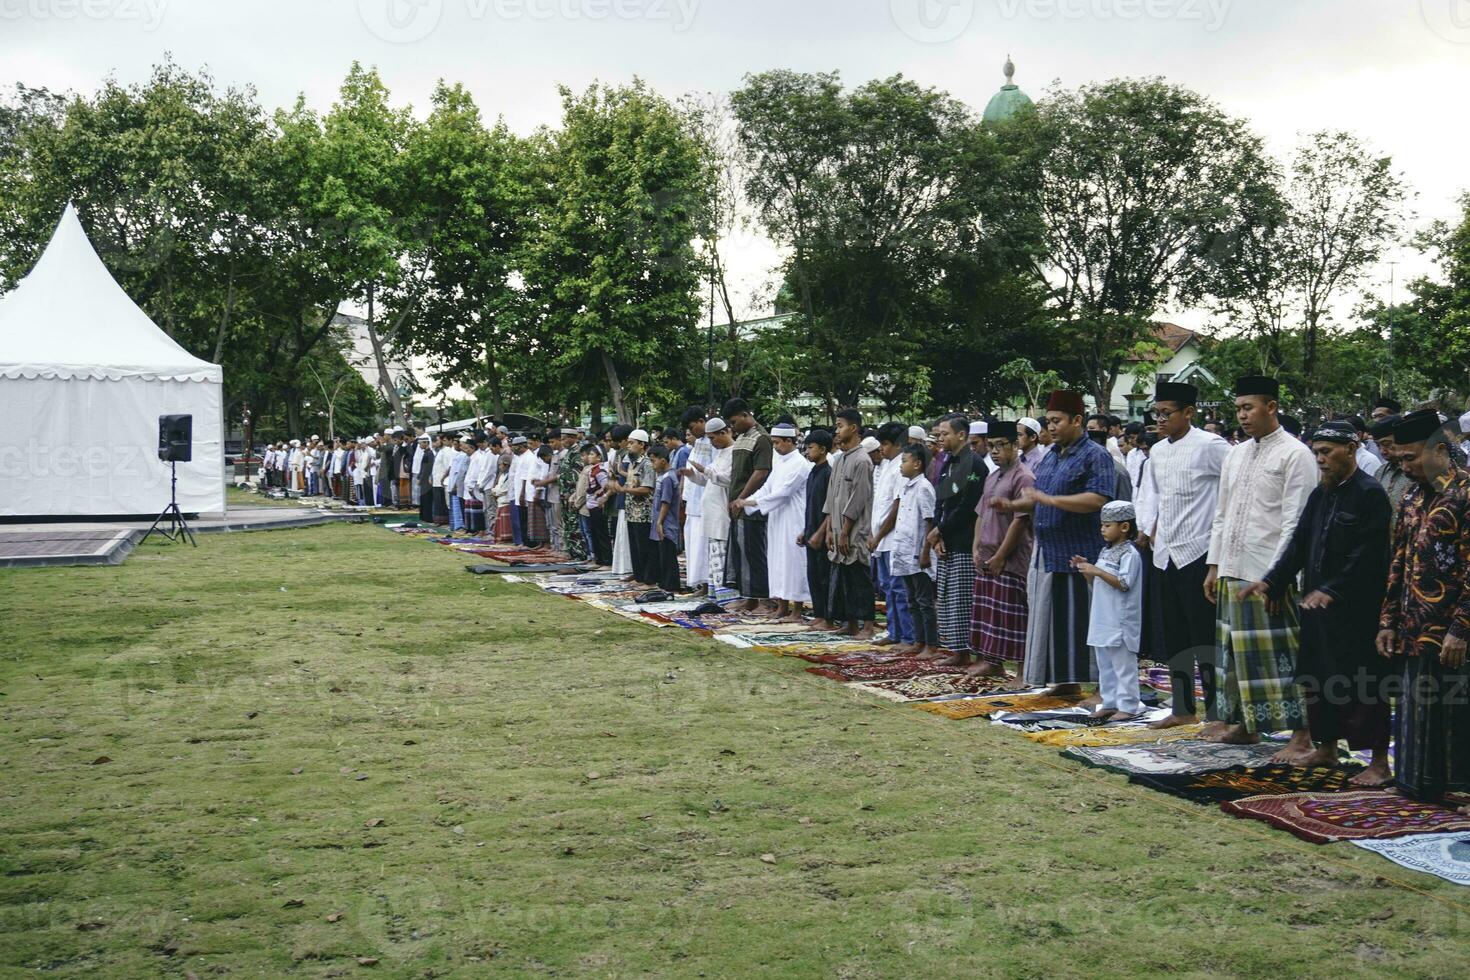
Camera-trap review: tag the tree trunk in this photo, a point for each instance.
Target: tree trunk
(385, 381)
(616, 388)
(594, 418)
(492, 378)
(224, 320)
(1309, 353)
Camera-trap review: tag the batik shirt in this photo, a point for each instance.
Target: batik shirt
(1427, 597)
(638, 508)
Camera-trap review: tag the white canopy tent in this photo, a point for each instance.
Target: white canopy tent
(84, 376)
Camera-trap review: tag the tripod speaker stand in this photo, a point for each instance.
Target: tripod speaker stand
(175, 445)
(171, 523)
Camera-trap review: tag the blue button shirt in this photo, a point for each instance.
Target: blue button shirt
(1083, 467)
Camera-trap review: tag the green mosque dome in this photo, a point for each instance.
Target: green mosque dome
(1008, 101)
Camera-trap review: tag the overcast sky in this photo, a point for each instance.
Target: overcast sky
(1397, 72)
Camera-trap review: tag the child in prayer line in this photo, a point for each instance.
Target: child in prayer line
(909, 521)
(665, 531)
(1115, 620)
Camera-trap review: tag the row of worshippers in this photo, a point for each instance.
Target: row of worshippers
(1310, 588)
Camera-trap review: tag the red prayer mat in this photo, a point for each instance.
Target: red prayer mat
(893, 670)
(1323, 818)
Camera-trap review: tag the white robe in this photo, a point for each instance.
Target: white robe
(782, 498)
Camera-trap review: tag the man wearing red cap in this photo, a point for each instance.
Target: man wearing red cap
(1073, 481)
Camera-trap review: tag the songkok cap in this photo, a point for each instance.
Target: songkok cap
(1003, 430)
(714, 425)
(979, 428)
(1339, 431)
(1069, 402)
(1257, 384)
(1118, 510)
(518, 441)
(1383, 428)
(639, 435)
(1290, 423)
(1031, 424)
(1416, 426)
(1177, 392)
(1389, 404)
(784, 430)
(917, 433)
(868, 445)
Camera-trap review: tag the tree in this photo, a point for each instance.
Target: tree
(879, 194)
(469, 188)
(610, 268)
(1138, 180)
(1035, 384)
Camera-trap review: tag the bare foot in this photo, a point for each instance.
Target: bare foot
(885, 641)
(1319, 758)
(953, 660)
(1122, 716)
(1104, 713)
(1376, 776)
(1298, 749)
(1214, 728)
(984, 668)
(1063, 690)
(864, 632)
(1234, 735)
(1173, 721)
(1091, 701)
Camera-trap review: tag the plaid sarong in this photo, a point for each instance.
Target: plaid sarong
(954, 580)
(998, 619)
(1255, 672)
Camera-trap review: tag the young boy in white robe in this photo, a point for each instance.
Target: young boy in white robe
(1115, 612)
(715, 520)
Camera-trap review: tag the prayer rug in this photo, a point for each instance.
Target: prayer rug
(1178, 758)
(893, 670)
(1226, 785)
(933, 686)
(1323, 818)
(984, 707)
(1116, 736)
(1444, 855)
(763, 638)
(841, 657)
(516, 569)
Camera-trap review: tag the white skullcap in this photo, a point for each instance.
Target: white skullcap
(979, 428)
(714, 425)
(917, 433)
(785, 431)
(518, 441)
(1031, 424)
(295, 442)
(1465, 423)
(639, 435)
(868, 445)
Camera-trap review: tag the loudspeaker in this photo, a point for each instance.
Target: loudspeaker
(176, 438)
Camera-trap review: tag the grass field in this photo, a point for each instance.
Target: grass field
(330, 752)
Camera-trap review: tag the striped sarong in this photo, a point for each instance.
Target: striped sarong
(456, 512)
(954, 580)
(1255, 671)
(998, 619)
(1071, 660)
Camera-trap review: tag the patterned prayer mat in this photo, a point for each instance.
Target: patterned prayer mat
(841, 657)
(1226, 785)
(1179, 758)
(984, 707)
(1444, 855)
(1116, 736)
(809, 638)
(934, 686)
(1358, 815)
(894, 670)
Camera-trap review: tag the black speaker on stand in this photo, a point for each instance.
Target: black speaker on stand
(175, 446)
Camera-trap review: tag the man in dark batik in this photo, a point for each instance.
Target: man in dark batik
(1340, 548)
(566, 481)
(1426, 614)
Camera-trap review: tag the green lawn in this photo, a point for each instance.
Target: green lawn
(564, 792)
